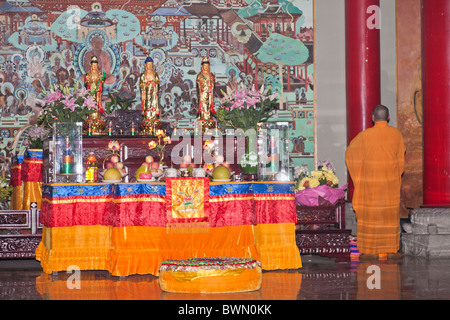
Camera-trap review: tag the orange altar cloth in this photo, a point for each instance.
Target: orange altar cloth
(129, 228)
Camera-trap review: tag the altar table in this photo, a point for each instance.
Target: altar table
(125, 228)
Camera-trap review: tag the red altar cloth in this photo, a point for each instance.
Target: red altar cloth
(124, 227)
(139, 204)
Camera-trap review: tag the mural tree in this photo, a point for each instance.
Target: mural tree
(282, 51)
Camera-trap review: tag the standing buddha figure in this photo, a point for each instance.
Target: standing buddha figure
(205, 91)
(149, 84)
(94, 82)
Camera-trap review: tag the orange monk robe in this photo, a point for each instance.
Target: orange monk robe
(375, 161)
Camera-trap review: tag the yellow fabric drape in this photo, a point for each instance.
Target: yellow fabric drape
(87, 247)
(32, 192)
(140, 250)
(276, 246)
(137, 250)
(17, 198)
(375, 160)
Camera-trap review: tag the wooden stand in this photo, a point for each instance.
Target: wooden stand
(321, 230)
(24, 232)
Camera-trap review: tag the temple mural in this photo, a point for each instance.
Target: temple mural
(248, 42)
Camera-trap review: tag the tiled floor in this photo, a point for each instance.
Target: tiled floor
(319, 279)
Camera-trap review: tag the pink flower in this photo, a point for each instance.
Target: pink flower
(240, 94)
(82, 92)
(53, 96)
(90, 103)
(69, 103)
(253, 92)
(237, 104)
(251, 101)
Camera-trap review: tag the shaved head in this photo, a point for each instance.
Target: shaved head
(380, 113)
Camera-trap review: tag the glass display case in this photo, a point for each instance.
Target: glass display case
(63, 154)
(273, 152)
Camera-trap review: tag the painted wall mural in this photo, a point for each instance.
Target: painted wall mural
(258, 42)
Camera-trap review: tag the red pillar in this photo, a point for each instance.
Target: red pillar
(436, 101)
(362, 66)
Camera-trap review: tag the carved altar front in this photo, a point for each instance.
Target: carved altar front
(134, 149)
(321, 230)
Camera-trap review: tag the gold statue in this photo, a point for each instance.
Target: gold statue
(205, 91)
(149, 84)
(94, 81)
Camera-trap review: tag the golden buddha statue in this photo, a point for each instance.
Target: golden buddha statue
(205, 94)
(94, 81)
(149, 85)
(205, 91)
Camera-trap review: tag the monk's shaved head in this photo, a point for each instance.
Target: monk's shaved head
(380, 113)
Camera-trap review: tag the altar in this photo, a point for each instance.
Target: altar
(128, 228)
(126, 200)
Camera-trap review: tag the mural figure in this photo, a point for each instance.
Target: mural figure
(35, 68)
(103, 58)
(241, 44)
(68, 57)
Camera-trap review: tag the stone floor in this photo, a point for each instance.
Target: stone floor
(320, 279)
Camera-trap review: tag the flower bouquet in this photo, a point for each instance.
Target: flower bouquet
(244, 108)
(64, 104)
(318, 187)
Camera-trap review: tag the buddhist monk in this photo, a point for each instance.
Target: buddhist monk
(375, 161)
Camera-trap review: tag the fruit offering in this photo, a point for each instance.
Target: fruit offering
(221, 173)
(112, 174)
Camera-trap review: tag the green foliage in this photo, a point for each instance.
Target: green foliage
(244, 108)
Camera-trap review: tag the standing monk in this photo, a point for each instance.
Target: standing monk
(375, 161)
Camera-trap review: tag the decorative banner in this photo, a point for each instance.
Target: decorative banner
(32, 178)
(16, 183)
(187, 202)
(32, 166)
(16, 171)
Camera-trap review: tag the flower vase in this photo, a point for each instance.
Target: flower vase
(249, 161)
